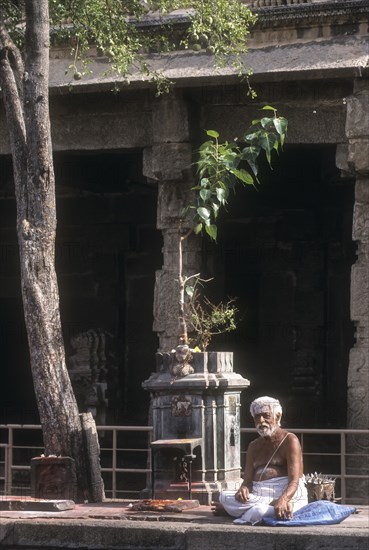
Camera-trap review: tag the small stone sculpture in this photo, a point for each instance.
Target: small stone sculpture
(181, 362)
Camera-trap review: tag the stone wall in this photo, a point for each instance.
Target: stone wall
(357, 129)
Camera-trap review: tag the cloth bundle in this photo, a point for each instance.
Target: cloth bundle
(321, 512)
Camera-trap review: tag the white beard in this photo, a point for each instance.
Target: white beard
(265, 430)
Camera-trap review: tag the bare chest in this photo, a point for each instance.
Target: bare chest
(269, 462)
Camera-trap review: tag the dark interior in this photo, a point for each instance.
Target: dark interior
(285, 251)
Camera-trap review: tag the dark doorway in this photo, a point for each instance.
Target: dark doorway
(16, 389)
(286, 252)
(107, 251)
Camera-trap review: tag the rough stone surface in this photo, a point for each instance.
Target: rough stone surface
(166, 295)
(326, 122)
(172, 196)
(170, 161)
(92, 447)
(342, 158)
(311, 59)
(113, 526)
(360, 292)
(167, 161)
(53, 477)
(35, 505)
(170, 119)
(358, 372)
(166, 309)
(357, 124)
(358, 155)
(362, 191)
(99, 130)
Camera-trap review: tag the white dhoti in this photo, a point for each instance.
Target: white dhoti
(258, 504)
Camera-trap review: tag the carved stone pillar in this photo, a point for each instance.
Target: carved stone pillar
(196, 415)
(357, 131)
(168, 163)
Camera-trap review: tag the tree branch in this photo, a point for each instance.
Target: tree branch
(14, 57)
(13, 109)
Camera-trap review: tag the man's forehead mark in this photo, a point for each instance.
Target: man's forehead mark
(259, 409)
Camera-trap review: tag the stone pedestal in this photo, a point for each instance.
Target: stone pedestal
(53, 478)
(203, 408)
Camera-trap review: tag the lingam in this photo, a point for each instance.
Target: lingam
(195, 402)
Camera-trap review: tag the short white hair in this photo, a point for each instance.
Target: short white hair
(265, 402)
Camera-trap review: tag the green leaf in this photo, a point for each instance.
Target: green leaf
(212, 133)
(268, 108)
(205, 194)
(251, 137)
(280, 125)
(267, 142)
(206, 145)
(222, 195)
(198, 228)
(215, 207)
(212, 231)
(264, 143)
(273, 141)
(265, 122)
(189, 290)
(243, 176)
(251, 151)
(204, 213)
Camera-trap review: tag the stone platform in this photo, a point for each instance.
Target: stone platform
(113, 525)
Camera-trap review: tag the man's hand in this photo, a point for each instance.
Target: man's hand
(242, 494)
(283, 508)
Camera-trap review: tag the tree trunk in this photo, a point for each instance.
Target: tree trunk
(25, 95)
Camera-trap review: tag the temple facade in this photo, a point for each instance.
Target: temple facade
(295, 252)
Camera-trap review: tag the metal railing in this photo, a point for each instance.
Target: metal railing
(125, 456)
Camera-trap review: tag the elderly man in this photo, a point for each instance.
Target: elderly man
(273, 480)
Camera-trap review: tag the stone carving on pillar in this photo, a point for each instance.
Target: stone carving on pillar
(357, 131)
(181, 365)
(169, 163)
(93, 372)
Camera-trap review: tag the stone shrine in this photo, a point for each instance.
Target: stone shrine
(196, 426)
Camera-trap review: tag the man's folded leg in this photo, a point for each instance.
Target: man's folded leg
(246, 512)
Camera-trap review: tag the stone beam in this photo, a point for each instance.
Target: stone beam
(308, 122)
(94, 122)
